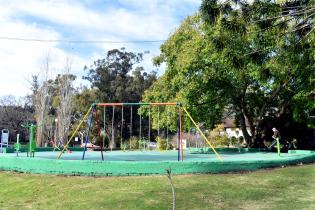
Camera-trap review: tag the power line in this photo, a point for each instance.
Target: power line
(299, 12)
(78, 41)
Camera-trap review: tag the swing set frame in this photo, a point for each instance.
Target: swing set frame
(93, 111)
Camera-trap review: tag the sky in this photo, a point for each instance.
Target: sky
(92, 20)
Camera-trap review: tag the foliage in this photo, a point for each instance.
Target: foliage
(111, 76)
(161, 143)
(124, 146)
(218, 136)
(14, 114)
(233, 141)
(235, 59)
(119, 78)
(82, 101)
(134, 142)
(143, 143)
(52, 102)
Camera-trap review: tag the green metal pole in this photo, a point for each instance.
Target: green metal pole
(30, 140)
(32, 137)
(278, 146)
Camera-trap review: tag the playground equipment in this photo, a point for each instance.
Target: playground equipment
(17, 146)
(31, 146)
(93, 111)
(4, 138)
(148, 162)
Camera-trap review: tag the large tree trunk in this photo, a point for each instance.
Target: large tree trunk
(240, 104)
(250, 124)
(246, 135)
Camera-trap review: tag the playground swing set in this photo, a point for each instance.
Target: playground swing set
(143, 142)
(93, 112)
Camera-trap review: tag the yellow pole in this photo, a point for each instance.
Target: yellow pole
(75, 132)
(202, 134)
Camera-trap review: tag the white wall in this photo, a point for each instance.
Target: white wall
(236, 132)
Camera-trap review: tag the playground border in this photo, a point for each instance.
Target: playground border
(127, 168)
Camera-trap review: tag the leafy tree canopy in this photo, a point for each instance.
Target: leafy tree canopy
(254, 61)
(119, 77)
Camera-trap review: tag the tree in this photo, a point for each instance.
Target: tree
(230, 60)
(83, 98)
(52, 101)
(41, 99)
(14, 114)
(64, 102)
(111, 76)
(119, 78)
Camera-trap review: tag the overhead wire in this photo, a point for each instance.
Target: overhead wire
(78, 41)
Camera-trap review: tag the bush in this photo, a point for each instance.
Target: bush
(143, 143)
(134, 142)
(233, 141)
(162, 144)
(124, 146)
(218, 136)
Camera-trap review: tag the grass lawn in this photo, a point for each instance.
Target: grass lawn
(283, 188)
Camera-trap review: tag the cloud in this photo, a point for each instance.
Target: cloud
(136, 19)
(20, 60)
(80, 20)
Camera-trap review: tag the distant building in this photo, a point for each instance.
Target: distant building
(232, 130)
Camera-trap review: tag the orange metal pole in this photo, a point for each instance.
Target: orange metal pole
(140, 104)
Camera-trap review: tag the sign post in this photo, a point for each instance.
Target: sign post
(4, 138)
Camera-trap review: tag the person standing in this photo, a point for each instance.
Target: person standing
(276, 133)
(276, 137)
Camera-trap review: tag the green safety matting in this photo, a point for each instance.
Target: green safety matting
(119, 163)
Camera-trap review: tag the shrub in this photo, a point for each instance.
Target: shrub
(124, 146)
(161, 143)
(143, 143)
(134, 142)
(218, 136)
(233, 141)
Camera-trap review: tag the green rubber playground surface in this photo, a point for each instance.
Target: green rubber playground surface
(119, 163)
(158, 156)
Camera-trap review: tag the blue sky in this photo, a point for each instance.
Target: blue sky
(110, 20)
